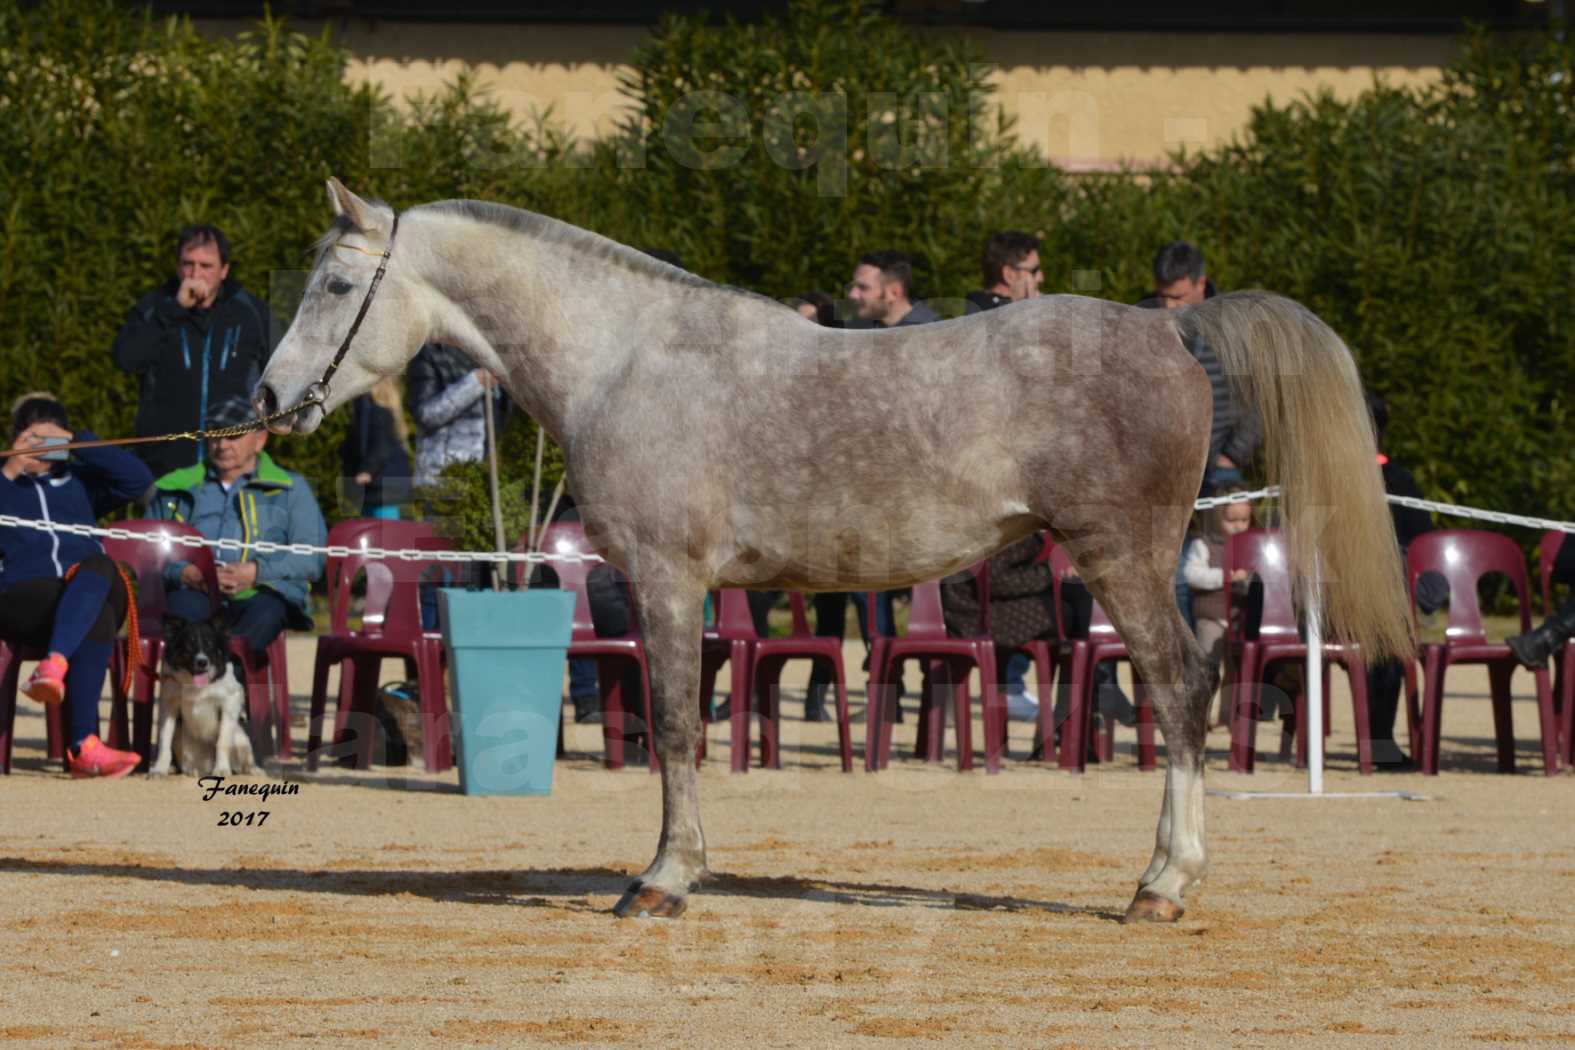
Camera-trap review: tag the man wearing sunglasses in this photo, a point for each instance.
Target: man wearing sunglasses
(1011, 271)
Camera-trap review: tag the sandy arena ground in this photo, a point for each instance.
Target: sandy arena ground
(917, 905)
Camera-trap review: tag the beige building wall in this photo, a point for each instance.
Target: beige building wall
(1088, 101)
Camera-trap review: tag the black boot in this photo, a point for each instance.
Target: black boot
(1534, 647)
(815, 703)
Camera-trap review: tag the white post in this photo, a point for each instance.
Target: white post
(1314, 683)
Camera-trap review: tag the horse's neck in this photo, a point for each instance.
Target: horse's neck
(549, 322)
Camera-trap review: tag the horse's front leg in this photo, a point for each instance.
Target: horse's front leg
(671, 617)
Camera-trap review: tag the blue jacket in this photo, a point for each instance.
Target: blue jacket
(91, 484)
(272, 504)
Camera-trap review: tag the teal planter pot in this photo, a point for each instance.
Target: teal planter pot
(506, 653)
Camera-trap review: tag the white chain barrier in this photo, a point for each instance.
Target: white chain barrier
(542, 557)
(266, 547)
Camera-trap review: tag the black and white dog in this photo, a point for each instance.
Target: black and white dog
(197, 686)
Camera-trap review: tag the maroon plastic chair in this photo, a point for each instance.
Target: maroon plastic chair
(730, 639)
(1463, 557)
(611, 655)
(1564, 658)
(267, 680)
(950, 660)
(381, 533)
(1262, 553)
(768, 658)
(391, 628)
(1079, 657)
(11, 658)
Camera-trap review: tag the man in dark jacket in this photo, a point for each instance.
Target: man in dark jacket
(1180, 280)
(1011, 271)
(195, 342)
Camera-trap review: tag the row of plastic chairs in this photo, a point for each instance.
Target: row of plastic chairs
(391, 628)
(1463, 557)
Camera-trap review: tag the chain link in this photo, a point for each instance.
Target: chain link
(1208, 502)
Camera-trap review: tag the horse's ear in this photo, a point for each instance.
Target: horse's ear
(360, 214)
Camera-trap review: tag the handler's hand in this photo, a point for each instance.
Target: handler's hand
(191, 576)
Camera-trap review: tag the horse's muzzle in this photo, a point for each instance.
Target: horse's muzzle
(266, 404)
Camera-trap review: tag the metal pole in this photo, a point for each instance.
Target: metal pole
(1314, 683)
(500, 567)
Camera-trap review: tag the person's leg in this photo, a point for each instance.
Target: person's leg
(583, 691)
(27, 611)
(885, 614)
(84, 685)
(187, 604)
(1534, 647)
(1021, 703)
(760, 605)
(831, 621)
(1211, 638)
(1383, 702)
(89, 756)
(82, 600)
(1016, 667)
(80, 605)
(258, 620)
(1184, 595)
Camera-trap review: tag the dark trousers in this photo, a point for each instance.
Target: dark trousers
(77, 619)
(1383, 700)
(258, 619)
(831, 621)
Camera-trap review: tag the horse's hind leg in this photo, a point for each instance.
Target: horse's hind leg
(1136, 590)
(671, 614)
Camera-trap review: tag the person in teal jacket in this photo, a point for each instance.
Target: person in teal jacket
(240, 493)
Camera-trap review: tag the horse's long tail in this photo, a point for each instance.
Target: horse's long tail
(1301, 379)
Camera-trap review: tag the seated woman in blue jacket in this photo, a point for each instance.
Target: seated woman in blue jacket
(60, 592)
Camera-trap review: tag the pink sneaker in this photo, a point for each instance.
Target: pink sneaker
(48, 684)
(94, 758)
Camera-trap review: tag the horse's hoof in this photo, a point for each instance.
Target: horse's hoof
(648, 902)
(1151, 907)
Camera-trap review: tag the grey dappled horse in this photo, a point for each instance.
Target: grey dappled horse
(718, 439)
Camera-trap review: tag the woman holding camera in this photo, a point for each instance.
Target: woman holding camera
(60, 592)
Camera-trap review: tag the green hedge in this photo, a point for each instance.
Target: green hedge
(1435, 229)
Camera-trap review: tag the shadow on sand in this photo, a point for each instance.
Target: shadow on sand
(565, 889)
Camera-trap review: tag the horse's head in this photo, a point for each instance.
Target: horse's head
(392, 330)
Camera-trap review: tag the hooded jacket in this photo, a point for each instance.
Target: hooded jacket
(91, 484)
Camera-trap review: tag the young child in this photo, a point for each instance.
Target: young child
(1204, 570)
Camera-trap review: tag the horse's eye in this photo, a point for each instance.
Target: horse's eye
(339, 286)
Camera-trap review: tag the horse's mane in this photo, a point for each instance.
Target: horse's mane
(583, 242)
